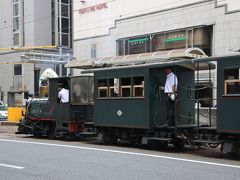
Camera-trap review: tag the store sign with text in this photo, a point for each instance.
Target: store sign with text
(93, 8)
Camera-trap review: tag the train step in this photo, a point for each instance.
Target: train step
(207, 128)
(160, 139)
(186, 126)
(88, 133)
(89, 123)
(166, 127)
(206, 141)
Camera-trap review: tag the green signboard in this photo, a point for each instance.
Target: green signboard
(175, 39)
(138, 40)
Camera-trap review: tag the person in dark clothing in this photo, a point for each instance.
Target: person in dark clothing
(170, 89)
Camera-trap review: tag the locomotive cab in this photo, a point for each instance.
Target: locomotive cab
(73, 115)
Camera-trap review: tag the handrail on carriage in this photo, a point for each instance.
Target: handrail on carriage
(210, 107)
(197, 102)
(177, 117)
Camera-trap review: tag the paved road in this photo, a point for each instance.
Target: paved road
(27, 158)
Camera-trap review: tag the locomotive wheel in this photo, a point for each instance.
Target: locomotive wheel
(164, 145)
(156, 145)
(51, 131)
(36, 131)
(37, 135)
(178, 144)
(109, 139)
(152, 145)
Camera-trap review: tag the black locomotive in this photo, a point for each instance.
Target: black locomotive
(49, 117)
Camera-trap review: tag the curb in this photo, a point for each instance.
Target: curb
(6, 123)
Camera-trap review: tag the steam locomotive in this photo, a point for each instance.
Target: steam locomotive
(49, 117)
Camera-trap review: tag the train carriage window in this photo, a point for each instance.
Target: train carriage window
(232, 81)
(102, 88)
(126, 87)
(138, 87)
(114, 87)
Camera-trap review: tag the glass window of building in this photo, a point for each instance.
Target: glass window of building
(15, 21)
(15, 9)
(53, 22)
(65, 18)
(139, 45)
(15, 24)
(126, 47)
(175, 40)
(200, 37)
(65, 39)
(16, 39)
(93, 51)
(120, 47)
(2, 96)
(65, 1)
(65, 25)
(65, 10)
(17, 69)
(158, 43)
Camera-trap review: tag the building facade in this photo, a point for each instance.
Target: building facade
(112, 28)
(116, 28)
(34, 35)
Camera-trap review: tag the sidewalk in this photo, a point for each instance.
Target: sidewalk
(6, 123)
(8, 127)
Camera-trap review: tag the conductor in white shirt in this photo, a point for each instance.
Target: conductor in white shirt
(63, 94)
(170, 89)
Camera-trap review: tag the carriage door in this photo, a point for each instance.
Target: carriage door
(229, 97)
(185, 103)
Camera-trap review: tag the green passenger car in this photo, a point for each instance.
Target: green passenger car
(229, 95)
(130, 104)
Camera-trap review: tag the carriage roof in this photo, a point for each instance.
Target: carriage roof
(180, 57)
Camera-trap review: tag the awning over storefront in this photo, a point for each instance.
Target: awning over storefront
(136, 59)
